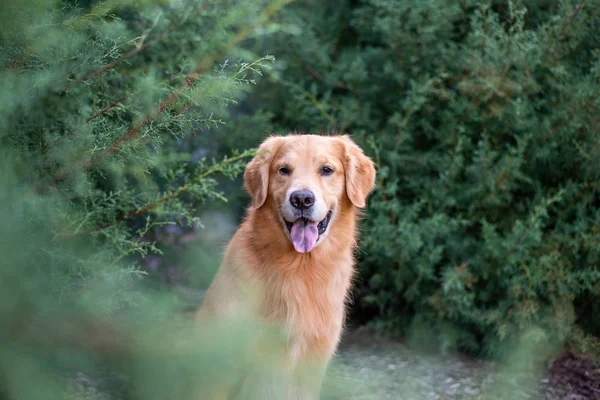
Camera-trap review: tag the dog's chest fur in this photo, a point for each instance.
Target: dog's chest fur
(308, 299)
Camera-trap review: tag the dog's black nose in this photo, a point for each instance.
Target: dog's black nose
(302, 199)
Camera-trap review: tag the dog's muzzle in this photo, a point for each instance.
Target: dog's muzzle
(305, 233)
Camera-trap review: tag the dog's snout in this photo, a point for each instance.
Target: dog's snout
(302, 199)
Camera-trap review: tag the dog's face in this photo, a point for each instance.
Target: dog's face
(307, 177)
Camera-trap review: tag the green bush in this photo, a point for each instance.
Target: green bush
(482, 118)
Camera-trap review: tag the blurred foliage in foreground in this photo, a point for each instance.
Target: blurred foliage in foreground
(100, 104)
(483, 118)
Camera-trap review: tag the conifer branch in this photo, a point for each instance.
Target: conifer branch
(124, 57)
(190, 79)
(572, 17)
(87, 121)
(18, 62)
(139, 49)
(572, 115)
(149, 207)
(133, 132)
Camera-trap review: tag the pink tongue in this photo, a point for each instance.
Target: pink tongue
(304, 235)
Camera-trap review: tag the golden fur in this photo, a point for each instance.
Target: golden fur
(263, 275)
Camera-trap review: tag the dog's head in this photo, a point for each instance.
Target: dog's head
(306, 178)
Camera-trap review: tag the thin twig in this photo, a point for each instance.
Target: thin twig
(125, 56)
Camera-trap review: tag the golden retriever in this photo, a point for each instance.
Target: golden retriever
(290, 263)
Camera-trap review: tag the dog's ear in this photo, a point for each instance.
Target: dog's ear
(256, 175)
(360, 173)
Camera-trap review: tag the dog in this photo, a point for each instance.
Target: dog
(290, 264)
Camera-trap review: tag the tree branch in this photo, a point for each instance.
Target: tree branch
(133, 132)
(99, 113)
(215, 168)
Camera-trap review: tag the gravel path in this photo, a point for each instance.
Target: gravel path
(373, 368)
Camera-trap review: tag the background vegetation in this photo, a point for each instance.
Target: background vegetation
(122, 121)
(483, 119)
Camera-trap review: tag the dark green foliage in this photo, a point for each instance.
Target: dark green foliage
(483, 121)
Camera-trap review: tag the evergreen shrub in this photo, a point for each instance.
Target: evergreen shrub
(483, 120)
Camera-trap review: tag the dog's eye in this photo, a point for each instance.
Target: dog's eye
(326, 171)
(284, 171)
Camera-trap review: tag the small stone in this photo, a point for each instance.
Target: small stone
(470, 391)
